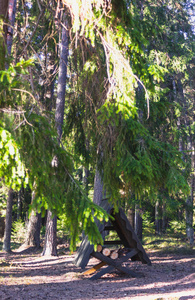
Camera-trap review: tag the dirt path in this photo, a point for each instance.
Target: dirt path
(27, 276)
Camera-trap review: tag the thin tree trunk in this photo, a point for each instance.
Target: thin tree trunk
(138, 222)
(19, 205)
(164, 220)
(190, 200)
(157, 218)
(3, 32)
(50, 246)
(8, 223)
(11, 18)
(131, 216)
(98, 188)
(61, 89)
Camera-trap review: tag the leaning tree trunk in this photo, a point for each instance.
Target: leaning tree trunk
(50, 246)
(8, 223)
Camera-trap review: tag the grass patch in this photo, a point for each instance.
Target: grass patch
(171, 243)
(14, 244)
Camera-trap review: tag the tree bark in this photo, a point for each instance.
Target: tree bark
(50, 246)
(98, 188)
(11, 18)
(3, 32)
(157, 218)
(33, 231)
(138, 222)
(19, 205)
(8, 223)
(131, 216)
(61, 89)
(190, 200)
(190, 146)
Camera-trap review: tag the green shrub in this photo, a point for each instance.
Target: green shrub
(18, 231)
(176, 227)
(148, 224)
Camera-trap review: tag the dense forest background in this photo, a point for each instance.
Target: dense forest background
(96, 101)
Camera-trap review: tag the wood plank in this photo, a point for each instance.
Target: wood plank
(113, 265)
(94, 268)
(102, 272)
(117, 263)
(110, 227)
(117, 242)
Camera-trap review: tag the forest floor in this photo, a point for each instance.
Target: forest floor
(27, 275)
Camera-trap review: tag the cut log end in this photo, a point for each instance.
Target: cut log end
(106, 251)
(99, 248)
(114, 255)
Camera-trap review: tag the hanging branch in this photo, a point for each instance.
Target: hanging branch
(34, 31)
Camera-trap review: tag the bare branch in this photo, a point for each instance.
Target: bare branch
(33, 33)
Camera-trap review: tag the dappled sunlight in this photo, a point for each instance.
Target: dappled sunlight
(169, 277)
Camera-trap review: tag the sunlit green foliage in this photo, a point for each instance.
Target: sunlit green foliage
(121, 110)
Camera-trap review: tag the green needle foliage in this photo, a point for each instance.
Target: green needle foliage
(127, 63)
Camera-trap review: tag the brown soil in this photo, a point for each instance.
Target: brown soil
(26, 275)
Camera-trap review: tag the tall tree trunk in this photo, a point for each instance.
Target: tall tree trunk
(131, 216)
(3, 32)
(61, 89)
(4, 4)
(19, 205)
(11, 18)
(98, 188)
(8, 223)
(186, 123)
(157, 218)
(138, 222)
(164, 219)
(50, 246)
(190, 199)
